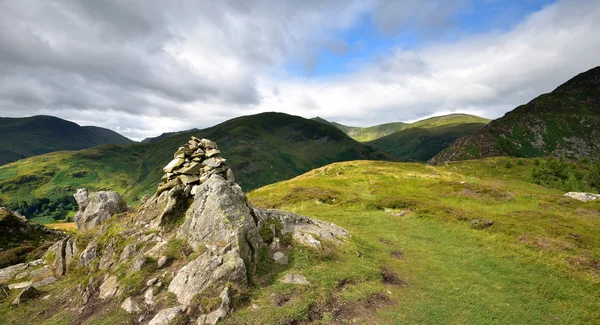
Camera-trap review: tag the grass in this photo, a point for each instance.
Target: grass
(539, 262)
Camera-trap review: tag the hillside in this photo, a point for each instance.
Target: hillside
(166, 135)
(447, 120)
(30, 136)
(422, 143)
(367, 133)
(261, 149)
(565, 123)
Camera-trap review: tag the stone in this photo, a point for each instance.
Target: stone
(88, 255)
(81, 197)
(168, 185)
(189, 179)
(212, 152)
(295, 279)
(138, 264)
(165, 316)
(275, 245)
(151, 282)
(207, 271)
(131, 306)
(207, 144)
(109, 288)
(9, 272)
(198, 153)
(127, 253)
(108, 258)
(29, 293)
(44, 282)
(213, 162)
(193, 169)
(70, 251)
(162, 262)
(42, 272)
(280, 258)
(582, 196)
(173, 164)
(195, 189)
(149, 297)
(229, 175)
(20, 285)
(306, 240)
(101, 206)
(220, 313)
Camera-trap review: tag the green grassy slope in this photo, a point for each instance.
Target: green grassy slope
(424, 249)
(36, 135)
(422, 143)
(448, 120)
(261, 149)
(565, 122)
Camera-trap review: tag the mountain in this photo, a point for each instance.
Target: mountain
(367, 133)
(30, 136)
(422, 140)
(166, 135)
(564, 123)
(261, 149)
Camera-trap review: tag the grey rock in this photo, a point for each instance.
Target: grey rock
(212, 152)
(149, 296)
(163, 208)
(42, 272)
(44, 282)
(295, 279)
(70, 251)
(193, 169)
(29, 293)
(108, 258)
(280, 258)
(166, 315)
(127, 253)
(131, 306)
(151, 282)
(174, 163)
(169, 185)
(189, 179)
(81, 197)
(207, 271)
(213, 162)
(229, 175)
(20, 285)
(582, 196)
(138, 264)
(109, 288)
(100, 207)
(220, 313)
(9, 272)
(306, 239)
(162, 261)
(88, 255)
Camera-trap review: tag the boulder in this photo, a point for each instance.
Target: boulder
(81, 197)
(29, 293)
(165, 316)
(108, 258)
(100, 206)
(582, 196)
(220, 313)
(70, 251)
(88, 255)
(57, 251)
(44, 282)
(280, 258)
(109, 288)
(131, 306)
(295, 279)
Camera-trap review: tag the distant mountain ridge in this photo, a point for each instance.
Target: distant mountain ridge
(261, 149)
(563, 123)
(418, 141)
(166, 135)
(29, 136)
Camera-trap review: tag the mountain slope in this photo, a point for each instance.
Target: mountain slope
(565, 123)
(261, 149)
(166, 135)
(422, 143)
(445, 120)
(36, 135)
(367, 133)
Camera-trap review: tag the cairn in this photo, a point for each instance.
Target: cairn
(193, 164)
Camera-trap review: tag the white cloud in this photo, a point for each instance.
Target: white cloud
(143, 68)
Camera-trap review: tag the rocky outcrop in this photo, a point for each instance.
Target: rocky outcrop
(29, 293)
(582, 196)
(96, 207)
(197, 208)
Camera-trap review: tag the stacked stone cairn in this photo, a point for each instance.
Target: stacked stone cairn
(193, 164)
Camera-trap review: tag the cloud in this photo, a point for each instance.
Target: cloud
(147, 67)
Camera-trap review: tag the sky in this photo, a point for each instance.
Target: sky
(144, 67)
